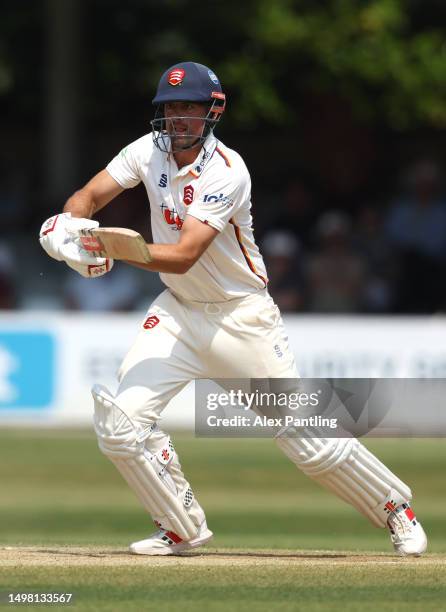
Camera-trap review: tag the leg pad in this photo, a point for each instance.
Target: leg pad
(145, 473)
(348, 469)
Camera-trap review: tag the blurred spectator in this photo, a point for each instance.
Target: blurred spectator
(8, 294)
(12, 199)
(371, 242)
(335, 273)
(297, 212)
(117, 291)
(416, 227)
(281, 250)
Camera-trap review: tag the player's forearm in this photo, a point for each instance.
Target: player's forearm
(81, 204)
(96, 194)
(169, 258)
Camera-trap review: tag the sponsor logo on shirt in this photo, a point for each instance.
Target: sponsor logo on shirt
(163, 180)
(172, 218)
(218, 199)
(188, 195)
(206, 155)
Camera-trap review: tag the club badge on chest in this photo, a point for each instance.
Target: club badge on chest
(188, 195)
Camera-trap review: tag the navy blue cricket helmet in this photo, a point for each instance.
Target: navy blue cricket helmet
(187, 82)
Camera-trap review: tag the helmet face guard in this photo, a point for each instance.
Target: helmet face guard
(165, 138)
(186, 82)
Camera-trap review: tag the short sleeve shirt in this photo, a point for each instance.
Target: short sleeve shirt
(216, 189)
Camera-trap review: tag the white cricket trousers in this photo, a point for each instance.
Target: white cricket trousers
(184, 341)
(180, 341)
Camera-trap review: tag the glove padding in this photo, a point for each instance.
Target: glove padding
(84, 263)
(61, 229)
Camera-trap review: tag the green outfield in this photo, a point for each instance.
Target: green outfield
(281, 543)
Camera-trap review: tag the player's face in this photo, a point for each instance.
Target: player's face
(184, 122)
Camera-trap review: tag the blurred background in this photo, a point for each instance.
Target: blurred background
(338, 108)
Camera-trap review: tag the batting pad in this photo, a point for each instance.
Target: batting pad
(145, 473)
(348, 469)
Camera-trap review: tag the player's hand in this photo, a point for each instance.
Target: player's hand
(59, 230)
(84, 263)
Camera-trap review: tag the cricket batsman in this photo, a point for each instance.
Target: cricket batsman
(215, 318)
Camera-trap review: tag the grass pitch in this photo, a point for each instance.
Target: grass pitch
(281, 543)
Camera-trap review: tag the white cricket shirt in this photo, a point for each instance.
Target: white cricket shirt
(216, 189)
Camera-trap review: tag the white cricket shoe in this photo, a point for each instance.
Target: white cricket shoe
(406, 532)
(164, 542)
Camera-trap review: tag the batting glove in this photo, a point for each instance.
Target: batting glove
(58, 230)
(84, 263)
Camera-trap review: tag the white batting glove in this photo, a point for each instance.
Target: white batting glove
(84, 263)
(58, 230)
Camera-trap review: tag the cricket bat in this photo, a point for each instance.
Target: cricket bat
(115, 242)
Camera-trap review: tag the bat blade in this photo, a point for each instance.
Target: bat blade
(115, 242)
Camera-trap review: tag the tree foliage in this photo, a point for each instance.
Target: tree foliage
(385, 58)
(373, 54)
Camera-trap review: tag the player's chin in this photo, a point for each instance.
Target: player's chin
(183, 142)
